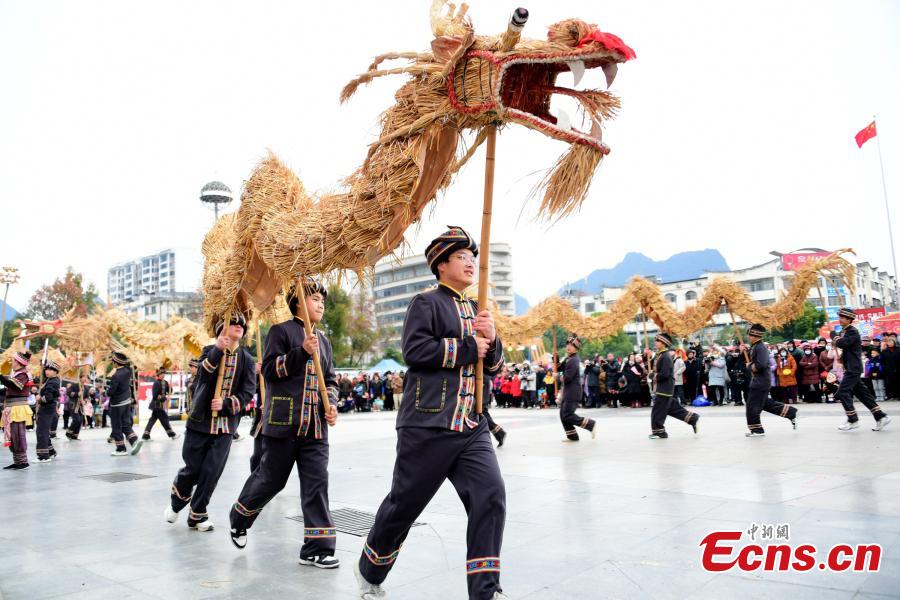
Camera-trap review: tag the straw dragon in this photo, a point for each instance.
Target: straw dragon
(466, 83)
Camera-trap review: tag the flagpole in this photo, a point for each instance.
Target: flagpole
(887, 210)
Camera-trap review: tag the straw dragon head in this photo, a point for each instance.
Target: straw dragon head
(471, 81)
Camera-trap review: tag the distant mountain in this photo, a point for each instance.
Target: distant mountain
(10, 312)
(684, 265)
(522, 305)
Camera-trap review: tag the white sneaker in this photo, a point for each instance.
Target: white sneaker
(755, 434)
(847, 426)
(118, 453)
(500, 596)
(137, 446)
(205, 525)
(367, 591)
(170, 515)
(321, 561)
(881, 423)
(239, 538)
(794, 423)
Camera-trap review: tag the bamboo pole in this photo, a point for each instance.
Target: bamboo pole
(484, 257)
(320, 376)
(644, 320)
(822, 302)
(553, 358)
(738, 332)
(220, 378)
(262, 381)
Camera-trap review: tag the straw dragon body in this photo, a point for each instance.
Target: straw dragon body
(464, 84)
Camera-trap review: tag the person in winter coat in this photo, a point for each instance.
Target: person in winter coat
(633, 373)
(810, 382)
(529, 385)
(692, 368)
(678, 370)
(592, 379)
(613, 370)
(890, 368)
(786, 374)
(873, 374)
(716, 385)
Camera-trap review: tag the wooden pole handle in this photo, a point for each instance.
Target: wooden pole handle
(262, 381)
(738, 332)
(220, 377)
(553, 357)
(485, 247)
(317, 364)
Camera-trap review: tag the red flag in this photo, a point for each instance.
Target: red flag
(866, 134)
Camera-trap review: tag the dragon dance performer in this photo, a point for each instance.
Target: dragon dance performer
(439, 434)
(120, 400)
(159, 406)
(292, 430)
(664, 405)
(572, 391)
(16, 412)
(207, 438)
(758, 398)
(46, 411)
(75, 400)
(848, 340)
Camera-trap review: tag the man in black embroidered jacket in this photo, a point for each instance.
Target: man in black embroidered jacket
(292, 430)
(46, 410)
(77, 392)
(664, 405)
(849, 342)
(758, 398)
(159, 406)
(214, 416)
(439, 434)
(120, 400)
(572, 392)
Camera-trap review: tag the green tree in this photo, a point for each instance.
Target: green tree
(561, 336)
(361, 329)
(394, 354)
(729, 335)
(619, 344)
(336, 321)
(53, 301)
(804, 327)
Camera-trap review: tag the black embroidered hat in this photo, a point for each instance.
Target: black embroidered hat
(574, 341)
(756, 330)
(119, 358)
(236, 319)
(311, 286)
(51, 365)
(665, 338)
(441, 247)
(847, 313)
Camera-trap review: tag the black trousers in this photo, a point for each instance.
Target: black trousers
(75, 425)
(426, 457)
(669, 406)
(852, 386)
(276, 461)
(67, 414)
(162, 416)
(45, 416)
(204, 456)
(758, 400)
(122, 426)
(570, 420)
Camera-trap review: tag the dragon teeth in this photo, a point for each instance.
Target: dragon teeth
(610, 70)
(563, 121)
(577, 68)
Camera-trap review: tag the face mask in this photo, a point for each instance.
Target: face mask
(828, 346)
(807, 352)
(783, 353)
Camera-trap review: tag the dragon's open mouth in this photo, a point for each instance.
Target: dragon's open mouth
(527, 84)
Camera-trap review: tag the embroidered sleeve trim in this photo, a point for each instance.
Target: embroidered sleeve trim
(15, 381)
(451, 347)
(281, 366)
(244, 511)
(235, 406)
(208, 366)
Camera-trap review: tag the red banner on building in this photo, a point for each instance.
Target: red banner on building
(795, 260)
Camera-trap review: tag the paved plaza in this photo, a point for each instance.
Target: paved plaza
(617, 517)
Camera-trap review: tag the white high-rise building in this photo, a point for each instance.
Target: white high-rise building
(145, 276)
(396, 282)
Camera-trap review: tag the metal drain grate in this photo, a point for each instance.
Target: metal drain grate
(117, 477)
(352, 521)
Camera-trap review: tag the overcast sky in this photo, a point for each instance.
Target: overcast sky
(736, 129)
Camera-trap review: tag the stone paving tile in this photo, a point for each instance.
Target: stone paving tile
(615, 517)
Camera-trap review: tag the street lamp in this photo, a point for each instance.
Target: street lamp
(215, 193)
(8, 275)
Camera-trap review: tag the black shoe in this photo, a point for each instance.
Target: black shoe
(239, 538)
(19, 466)
(694, 424)
(659, 436)
(501, 437)
(9, 467)
(146, 437)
